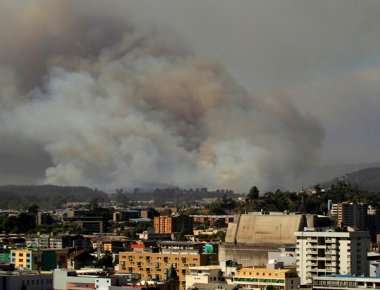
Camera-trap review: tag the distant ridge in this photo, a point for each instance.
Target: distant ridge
(365, 179)
(45, 196)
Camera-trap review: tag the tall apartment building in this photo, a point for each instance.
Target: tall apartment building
(173, 224)
(350, 214)
(163, 224)
(323, 253)
(155, 265)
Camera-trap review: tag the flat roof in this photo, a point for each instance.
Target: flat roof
(209, 267)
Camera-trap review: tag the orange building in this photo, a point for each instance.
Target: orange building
(163, 224)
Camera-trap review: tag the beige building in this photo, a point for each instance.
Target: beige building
(323, 253)
(22, 259)
(203, 275)
(154, 265)
(261, 278)
(252, 236)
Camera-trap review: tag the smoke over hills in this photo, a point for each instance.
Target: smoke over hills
(91, 98)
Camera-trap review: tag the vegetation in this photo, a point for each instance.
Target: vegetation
(46, 196)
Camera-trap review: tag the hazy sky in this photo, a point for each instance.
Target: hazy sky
(323, 54)
(309, 71)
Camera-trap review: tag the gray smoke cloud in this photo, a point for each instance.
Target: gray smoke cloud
(89, 96)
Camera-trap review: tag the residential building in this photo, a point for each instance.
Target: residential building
(350, 214)
(71, 280)
(44, 259)
(173, 224)
(113, 246)
(345, 282)
(261, 278)
(26, 280)
(163, 224)
(211, 219)
(90, 279)
(125, 215)
(154, 264)
(326, 252)
(22, 259)
(203, 275)
(87, 224)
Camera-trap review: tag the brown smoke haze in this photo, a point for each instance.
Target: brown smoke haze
(91, 96)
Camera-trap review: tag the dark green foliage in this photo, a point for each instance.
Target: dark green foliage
(222, 205)
(312, 203)
(105, 262)
(45, 196)
(253, 193)
(23, 223)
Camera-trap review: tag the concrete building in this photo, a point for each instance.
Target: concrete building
(261, 278)
(22, 259)
(345, 282)
(203, 275)
(253, 235)
(87, 224)
(286, 256)
(44, 259)
(152, 265)
(26, 280)
(90, 279)
(71, 280)
(350, 214)
(322, 253)
(172, 224)
(163, 224)
(211, 219)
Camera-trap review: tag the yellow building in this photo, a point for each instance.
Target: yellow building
(22, 258)
(152, 265)
(260, 278)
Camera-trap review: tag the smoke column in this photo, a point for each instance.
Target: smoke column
(97, 100)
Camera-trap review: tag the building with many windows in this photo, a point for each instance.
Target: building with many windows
(345, 282)
(154, 264)
(350, 214)
(22, 259)
(324, 253)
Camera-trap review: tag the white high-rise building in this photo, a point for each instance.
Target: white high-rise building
(323, 253)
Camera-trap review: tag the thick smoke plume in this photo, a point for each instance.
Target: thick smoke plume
(94, 99)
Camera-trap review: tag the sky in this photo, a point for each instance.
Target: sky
(189, 93)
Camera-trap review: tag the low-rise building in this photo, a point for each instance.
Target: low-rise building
(345, 282)
(44, 259)
(90, 279)
(261, 278)
(203, 275)
(154, 264)
(26, 280)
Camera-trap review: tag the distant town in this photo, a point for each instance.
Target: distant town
(193, 239)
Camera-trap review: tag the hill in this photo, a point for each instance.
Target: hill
(365, 179)
(45, 196)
